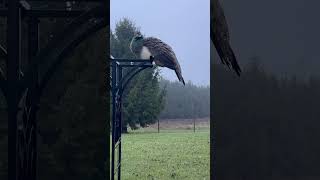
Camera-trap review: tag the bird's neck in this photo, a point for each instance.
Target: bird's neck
(136, 47)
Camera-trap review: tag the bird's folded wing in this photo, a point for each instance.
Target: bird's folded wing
(166, 60)
(161, 52)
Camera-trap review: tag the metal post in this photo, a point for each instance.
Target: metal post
(120, 121)
(13, 62)
(118, 85)
(194, 119)
(33, 45)
(158, 125)
(114, 76)
(194, 125)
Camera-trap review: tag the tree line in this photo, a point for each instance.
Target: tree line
(185, 102)
(265, 125)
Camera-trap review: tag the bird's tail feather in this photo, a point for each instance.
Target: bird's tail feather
(180, 77)
(233, 61)
(228, 57)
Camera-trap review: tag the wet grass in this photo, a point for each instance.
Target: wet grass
(170, 154)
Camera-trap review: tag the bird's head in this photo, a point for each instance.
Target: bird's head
(137, 37)
(136, 43)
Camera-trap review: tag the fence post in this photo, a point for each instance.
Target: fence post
(194, 125)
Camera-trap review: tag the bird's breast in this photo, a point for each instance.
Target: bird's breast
(145, 53)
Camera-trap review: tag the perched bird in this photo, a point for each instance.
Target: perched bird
(161, 52)
(219, 34)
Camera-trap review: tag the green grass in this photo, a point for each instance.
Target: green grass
(171, 130)
(171, 154)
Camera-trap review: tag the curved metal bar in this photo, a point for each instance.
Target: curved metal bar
(83, 26)
(3, 52)
(117, 87)
(67, 50)
(121, 89)
(3, 84)
(128, 74)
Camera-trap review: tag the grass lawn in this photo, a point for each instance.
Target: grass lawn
(170, 154)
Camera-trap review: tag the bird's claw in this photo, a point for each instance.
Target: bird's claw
(151, 59)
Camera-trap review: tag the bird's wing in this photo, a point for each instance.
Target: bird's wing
(168, 61)
(221, 38)
(163, 55)
(161, 52)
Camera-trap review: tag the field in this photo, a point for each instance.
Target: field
(174, 153)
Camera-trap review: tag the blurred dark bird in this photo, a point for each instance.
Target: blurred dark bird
(162, 53)
(219, 34)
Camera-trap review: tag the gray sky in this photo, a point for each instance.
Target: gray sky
(284, 34)
(183, 24)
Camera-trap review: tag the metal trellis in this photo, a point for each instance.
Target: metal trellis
(22, 90)
(119, 81)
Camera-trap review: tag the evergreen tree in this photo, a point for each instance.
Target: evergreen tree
(143, 98)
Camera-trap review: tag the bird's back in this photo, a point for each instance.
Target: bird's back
(162, 52)
(163, 55)
(156, 46)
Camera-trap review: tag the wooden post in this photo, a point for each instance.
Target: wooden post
(194, 117)
(194, 125)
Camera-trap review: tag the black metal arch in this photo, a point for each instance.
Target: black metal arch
(55, 52)
(3, 54)
(118, 85)
(129, 77)
(3, 83)
(25, 91)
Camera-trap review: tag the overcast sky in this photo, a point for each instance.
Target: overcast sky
(284, 34)
(183, 24)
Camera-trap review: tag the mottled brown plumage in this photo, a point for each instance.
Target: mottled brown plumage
(220, 36)
(163, 54)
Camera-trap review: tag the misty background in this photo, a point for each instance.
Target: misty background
(283, 34)
(184, 25)
(267, 121)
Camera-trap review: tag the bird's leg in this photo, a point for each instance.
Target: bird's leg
(151, 59)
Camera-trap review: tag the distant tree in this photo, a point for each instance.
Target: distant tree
(188, 101)
(265, 124)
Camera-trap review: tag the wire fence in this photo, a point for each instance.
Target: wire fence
(176, 125)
